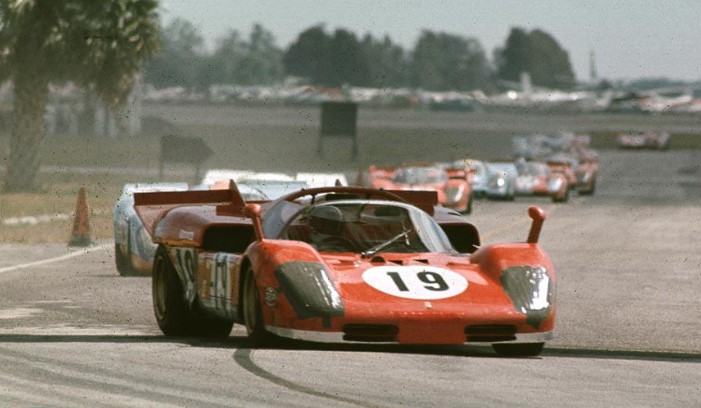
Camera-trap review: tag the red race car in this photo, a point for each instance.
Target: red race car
(344, 264)
(535, 179)
(451, 184)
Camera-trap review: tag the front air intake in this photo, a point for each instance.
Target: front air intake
(370, 332)
(490, 332)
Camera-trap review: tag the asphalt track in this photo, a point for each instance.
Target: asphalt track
(74, 333)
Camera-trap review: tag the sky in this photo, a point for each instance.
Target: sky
(629, 38)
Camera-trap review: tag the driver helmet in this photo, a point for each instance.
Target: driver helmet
(326, 219)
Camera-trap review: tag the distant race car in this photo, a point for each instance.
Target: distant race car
(587, 172)
(478, 174)
(133, 249)
(565, 165)
(644, 140)
(344, 264)
(272, 185)
(452, 185)
(501, 180)
(536, 179)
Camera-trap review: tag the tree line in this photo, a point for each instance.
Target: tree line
(101, 46)
(439, 61)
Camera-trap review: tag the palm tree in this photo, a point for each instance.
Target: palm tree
(99, 45)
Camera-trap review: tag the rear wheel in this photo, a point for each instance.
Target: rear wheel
(123, 261)
(169, 306)
(518, 350)
(252, 314)
(468, 210)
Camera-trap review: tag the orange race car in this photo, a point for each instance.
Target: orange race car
(344, 264)
(535, 179)
(452, 184)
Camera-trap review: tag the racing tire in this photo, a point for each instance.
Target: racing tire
(565, 197)
(169, 306)
(468, 210)
(518, 350)
(121, 262)
(590, 190)
(252, 313)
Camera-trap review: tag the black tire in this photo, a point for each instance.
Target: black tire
(565, 198)
(252, 314)
(518, 350)
(589, 191)
(468, 210)
(169, 306)
(121, 262)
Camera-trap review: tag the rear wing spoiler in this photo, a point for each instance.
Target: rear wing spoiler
(151, 207)
(458, 172)
(426, 200)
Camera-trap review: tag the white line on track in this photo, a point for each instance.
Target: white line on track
(56, 259)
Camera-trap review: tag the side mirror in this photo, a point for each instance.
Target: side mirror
(538, 216)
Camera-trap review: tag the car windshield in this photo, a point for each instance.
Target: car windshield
(367, 227)
(501, 169)
(420, 175)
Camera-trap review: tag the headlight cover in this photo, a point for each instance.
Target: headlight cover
(554, 184)
(530, 290)
(309, 290)
(453, 194)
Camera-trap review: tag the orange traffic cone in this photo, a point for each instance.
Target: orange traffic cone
(81, 235)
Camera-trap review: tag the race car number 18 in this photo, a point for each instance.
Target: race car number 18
(415, 282)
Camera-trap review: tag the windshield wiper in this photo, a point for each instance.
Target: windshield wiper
(379, 247)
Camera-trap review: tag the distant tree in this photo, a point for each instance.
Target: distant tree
(443, 61)
(98, 45)
(262, 59)
(346, 63)
(307, 57)
(178, 63)
(222, 66)
(387, 62)
(538, 54)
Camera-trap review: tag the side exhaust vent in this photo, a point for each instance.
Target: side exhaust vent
(370, 332)
(490, 332)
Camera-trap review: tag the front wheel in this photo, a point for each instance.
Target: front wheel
(252, 314)
(121, 261)
(590, 190)
(565, 197)
(518, 350)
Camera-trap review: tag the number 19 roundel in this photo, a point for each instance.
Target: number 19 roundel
(415, 282)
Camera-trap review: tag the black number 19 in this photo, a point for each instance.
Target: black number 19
(433, 280)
